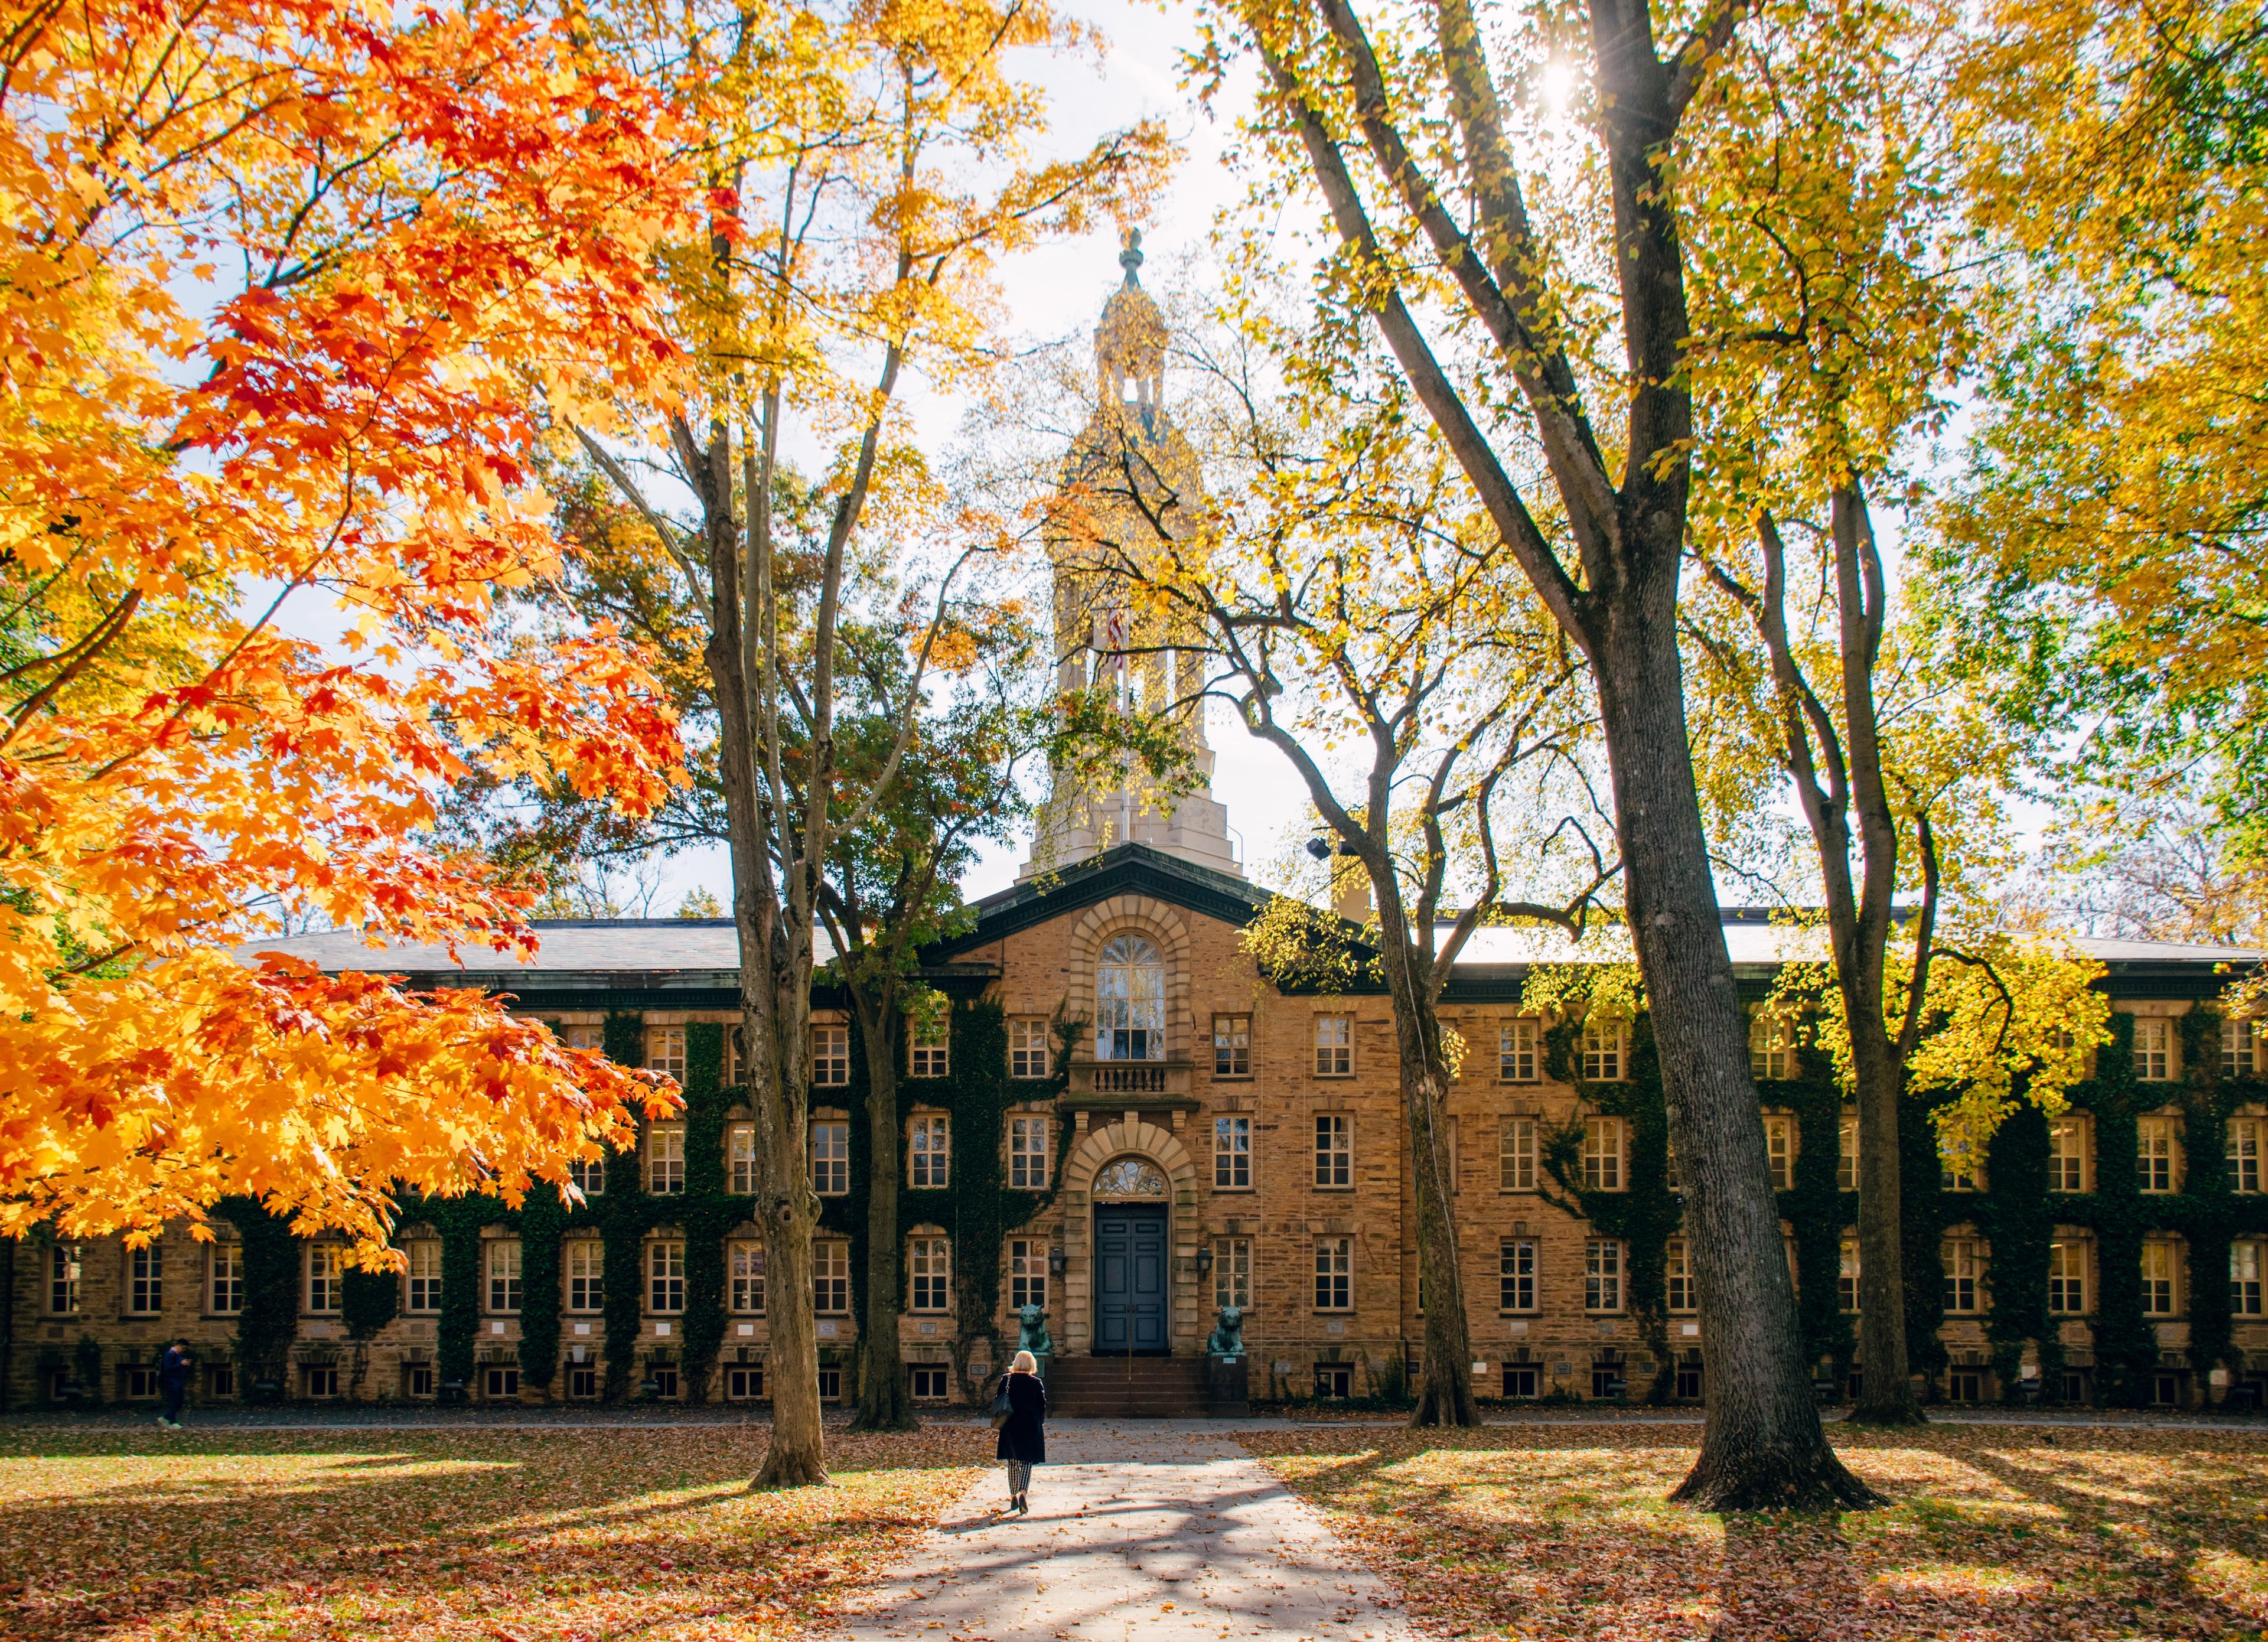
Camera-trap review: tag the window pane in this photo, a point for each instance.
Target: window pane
(1130, 1000)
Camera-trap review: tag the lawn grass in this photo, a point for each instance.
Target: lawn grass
(1551, 1532)
(506, 1537)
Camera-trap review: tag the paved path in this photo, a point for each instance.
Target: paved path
(1157, 1531)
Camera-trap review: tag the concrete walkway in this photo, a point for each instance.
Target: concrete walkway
(1160, 1530)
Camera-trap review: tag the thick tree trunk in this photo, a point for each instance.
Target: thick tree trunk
(1886, 1395)
(1445, 1395)
(885, 1400)
(1762, 1446)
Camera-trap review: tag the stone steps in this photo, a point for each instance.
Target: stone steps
(1127, 1387)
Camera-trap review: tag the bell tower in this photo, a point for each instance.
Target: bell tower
(1129, 473)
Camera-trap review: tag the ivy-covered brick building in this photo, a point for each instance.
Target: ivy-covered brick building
(1126, 1123)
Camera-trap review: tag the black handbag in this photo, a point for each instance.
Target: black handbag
(1002, 1408)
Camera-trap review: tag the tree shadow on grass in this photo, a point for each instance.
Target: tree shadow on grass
(537, 1535)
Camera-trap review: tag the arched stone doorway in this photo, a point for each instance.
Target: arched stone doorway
(1115, 1171)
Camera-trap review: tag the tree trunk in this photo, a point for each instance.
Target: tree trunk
(885, 1401)
(1445, 1395)
(1886, 1395)
(1762, 1446)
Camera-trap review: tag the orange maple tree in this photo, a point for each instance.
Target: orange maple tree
(288, 291)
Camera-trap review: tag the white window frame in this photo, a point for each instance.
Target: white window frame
(2068, 1150)
(2245, 1260)
(225, 1279)
(589, 1175)
(2244, 1147)
(586, 1275)
(929, 1152)
(1027, 1272)
(500, 1261)
(421, 1276)
(1772, 1046)
(831, 1161)
(928, 1272)
(1334, 1046)
(145, 1281)
(665, 1160)
(2240, 1048)
(320, 1279)
(930, 1056)
(1232, 1272)
(1606, 1051)
(664, 1051)
(830, 1054)
(1031, 1152)
(830, 1277)
(1334, 1273)
(1519, 1050)
(1232, 1152)
(1028, 1049)
(740, 1159)
(1232, 1046)
(665, 1275)
(1604, 1160)
(1516, 1286)
(1515, 1154)
(2067, 1277)
(66, 1280)
(1680, 1294)
(2154, 1050)
(1603, 1265)
(1846, 1151)
(1780, 1143)
(1963, 1277)
(2161, 1278)
(744, 1277)
(1334, 1153)
(2158, 1155)
(1848, 1271)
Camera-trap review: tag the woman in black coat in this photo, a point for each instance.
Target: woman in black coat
(1024, 1436)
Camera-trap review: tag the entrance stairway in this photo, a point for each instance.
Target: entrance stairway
(1127, 1387)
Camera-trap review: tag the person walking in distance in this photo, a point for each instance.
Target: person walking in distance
(1023, 1434)
(174, 1380)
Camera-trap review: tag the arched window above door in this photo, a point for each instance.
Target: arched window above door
(1129, 997)
(1130, 1176)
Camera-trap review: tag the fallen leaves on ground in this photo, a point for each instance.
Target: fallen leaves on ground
(503, 1536)
(1564, 1532)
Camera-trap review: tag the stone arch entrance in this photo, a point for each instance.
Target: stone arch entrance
(1107, 1145)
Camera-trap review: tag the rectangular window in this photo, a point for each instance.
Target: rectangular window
(1602, 1275)
(322, 1380)
(322, 1277)
(1515, 1266)
(1957, 1170)
(1962, 1270)
(930, 1056)
(1779, 1150)
(2068, 1154)
(830, 1277)
(1232, 1046)
(1602, 1153)
(504, 1274)
(1027, 1272)
(748, 1277)
(1678, 1266)
(1515, 1154)
(584, 1037)
(929, 1384)
(1334, 1046)
(1028, 1049)
(582, 1381)
(1846, 1152)
(1334, 1273)
(931, 1265)
(1030, 1157)
(1232, 1271)
(2067, 1279)
(423, 1257)
(589, 1175)
(2158, 1279)
(830, 1057)
(145, 1280)
(2244, 1279)
(2153, 1050)
(928, 1154)
(1516, 1060)
(227, 1267)
(740, 1158)
(665, 1050)
(1333, 1149)
(2240, 1055)
(2244, 1153)
(418, 1380)
(1232, 1153)
(830, 1157)
(1770, 1055)
(1846, 1277)
(665, 1159)
(2155, 1153)
(64, 1271)
(586, 1271)
(1605, 1050)
(664, 1270)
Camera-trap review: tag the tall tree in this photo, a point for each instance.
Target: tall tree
(1342, 593)
(1478, 294)
(863, 169)
(282, 280)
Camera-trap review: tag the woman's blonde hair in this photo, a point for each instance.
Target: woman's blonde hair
(1025, 1363)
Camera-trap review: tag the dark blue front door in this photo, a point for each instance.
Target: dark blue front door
(1130, 1280)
